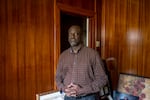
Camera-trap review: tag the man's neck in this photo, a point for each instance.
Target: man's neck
(75, 49)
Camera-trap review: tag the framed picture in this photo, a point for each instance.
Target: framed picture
(50, 95)
(134, 85)
(123, 96)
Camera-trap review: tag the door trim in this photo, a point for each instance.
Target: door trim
(91, 14)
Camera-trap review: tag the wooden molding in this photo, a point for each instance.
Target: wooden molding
(75, 10)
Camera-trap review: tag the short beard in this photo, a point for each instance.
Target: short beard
(72, 44)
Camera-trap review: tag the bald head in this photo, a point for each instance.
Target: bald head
(75, 27)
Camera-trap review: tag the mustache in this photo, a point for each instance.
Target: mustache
(72, 39)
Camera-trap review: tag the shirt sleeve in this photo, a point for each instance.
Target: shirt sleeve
(100, 78)
(59, 76)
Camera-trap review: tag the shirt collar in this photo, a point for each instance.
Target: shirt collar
(80, 46)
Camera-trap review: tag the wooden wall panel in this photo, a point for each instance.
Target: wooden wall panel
(3, 31)
(145, 31)
(26, 48)
(83, 4)
(132, 37)
(11, 52)
(125, 34)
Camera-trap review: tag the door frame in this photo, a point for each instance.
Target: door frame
(91, 14)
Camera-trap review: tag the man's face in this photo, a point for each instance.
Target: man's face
(74, 35)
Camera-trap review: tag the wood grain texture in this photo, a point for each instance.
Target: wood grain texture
(83, 4)
(28, 51)
(26, 56)
(125, 34)
(145, 30)
(3, 24)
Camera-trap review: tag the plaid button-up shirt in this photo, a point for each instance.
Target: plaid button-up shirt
(84, 68)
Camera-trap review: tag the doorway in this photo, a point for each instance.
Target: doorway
(66, 20)
(64, 16)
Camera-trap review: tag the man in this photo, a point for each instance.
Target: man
(79, 72)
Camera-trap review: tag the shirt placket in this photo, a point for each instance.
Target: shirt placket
(74, 69)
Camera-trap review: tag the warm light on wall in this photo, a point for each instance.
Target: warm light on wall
(133, 36)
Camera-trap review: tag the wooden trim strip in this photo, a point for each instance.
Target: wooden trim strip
(75, 10)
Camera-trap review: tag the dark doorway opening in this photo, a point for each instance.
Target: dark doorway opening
(66, 21)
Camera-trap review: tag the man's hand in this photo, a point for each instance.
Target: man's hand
(72, 90)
